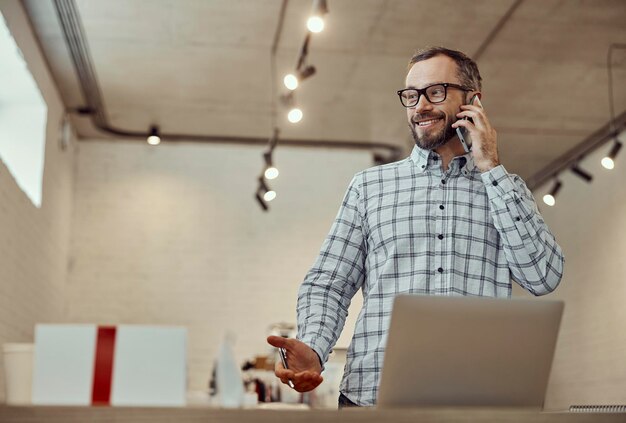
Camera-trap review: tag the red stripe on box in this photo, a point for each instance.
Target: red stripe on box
(103, 366)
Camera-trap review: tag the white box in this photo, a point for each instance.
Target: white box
(134, 365)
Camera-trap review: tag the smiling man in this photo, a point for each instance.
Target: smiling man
(440, 222)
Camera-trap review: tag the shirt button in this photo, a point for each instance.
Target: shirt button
(440, 270)
(495, 183)
(423, 166)
(517, 219)
(440, 236)
(443, 181)
(441, 207)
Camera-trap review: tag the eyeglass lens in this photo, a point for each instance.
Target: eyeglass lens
(434, 94)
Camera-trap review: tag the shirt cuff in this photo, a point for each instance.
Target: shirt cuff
(498, 182)
(319, 350)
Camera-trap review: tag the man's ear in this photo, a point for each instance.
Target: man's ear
(471, 94)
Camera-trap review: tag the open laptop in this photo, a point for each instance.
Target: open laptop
(469, 351)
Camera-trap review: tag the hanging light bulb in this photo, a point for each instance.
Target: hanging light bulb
(608, 162)
(290, 81)
(154, 138)
(315, 23)
(295, 115)
(550, 198)
(269, 195)
(271, 172)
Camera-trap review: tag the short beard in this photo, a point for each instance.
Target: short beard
(434, 140)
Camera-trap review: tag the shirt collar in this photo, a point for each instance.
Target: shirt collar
(423, 159)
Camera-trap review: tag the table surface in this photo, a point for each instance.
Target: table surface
(32, 414)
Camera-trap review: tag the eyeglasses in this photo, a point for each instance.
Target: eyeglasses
(435, 93)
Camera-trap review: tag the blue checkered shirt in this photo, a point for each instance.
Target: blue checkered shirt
(408, 227)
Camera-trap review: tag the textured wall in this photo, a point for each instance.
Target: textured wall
(34, 242)
(589, 221)
(173, 235)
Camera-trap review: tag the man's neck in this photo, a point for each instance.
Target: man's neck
(449, 151)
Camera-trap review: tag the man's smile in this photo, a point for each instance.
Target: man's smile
(428, 121)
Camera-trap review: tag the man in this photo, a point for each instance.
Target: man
(440, 222)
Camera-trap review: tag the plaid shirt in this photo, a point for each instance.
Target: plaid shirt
(408, 227)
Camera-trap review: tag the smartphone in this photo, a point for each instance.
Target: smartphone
(464, 136)
(283, 358)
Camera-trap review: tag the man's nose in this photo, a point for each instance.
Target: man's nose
(422, 104)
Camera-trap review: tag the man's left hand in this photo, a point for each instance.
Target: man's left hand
(484, 137)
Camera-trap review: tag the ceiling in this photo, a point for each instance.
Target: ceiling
(203, 66)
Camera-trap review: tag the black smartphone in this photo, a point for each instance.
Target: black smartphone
(464, 136)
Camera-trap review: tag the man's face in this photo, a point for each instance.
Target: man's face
(438, 69)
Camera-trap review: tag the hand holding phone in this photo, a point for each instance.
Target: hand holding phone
(299, 367)
(485, 156)
(463, 134)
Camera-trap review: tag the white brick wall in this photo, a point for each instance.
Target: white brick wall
(34, 242)
(173, 235)
(589, 221)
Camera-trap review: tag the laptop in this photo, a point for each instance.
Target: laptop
(469, 351)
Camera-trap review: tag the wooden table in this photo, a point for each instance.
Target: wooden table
(32, 414)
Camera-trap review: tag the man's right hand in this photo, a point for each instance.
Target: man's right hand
(304, 365)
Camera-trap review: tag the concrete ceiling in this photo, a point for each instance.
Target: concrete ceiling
(203, 66)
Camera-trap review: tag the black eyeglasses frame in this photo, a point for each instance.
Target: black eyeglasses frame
(422, 91)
